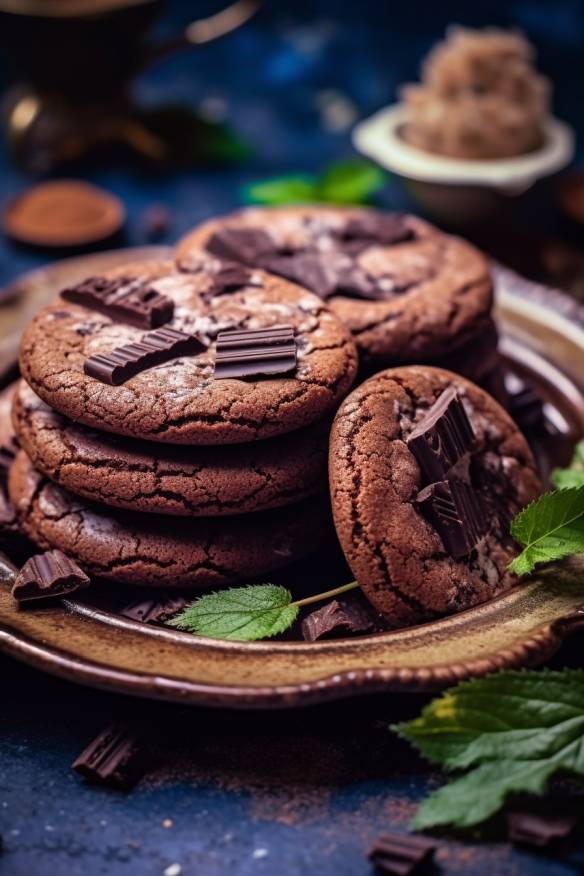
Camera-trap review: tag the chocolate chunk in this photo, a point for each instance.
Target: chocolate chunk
(525, 405)
(153, 349)
(117, 757)
(312, 270)
(47, 575)
(245, 245)
(363, 231)
(251, 353)
(401, 854)
(123, 298)
(443, 436)
(337, 618)
(457, 512)
(540, 831)
(156, 609)
(230, 278)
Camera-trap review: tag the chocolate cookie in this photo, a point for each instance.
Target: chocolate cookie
(423, 496)
(407, 292)
(11, 539)
(165, 479)
(291, 365)
(154, 551)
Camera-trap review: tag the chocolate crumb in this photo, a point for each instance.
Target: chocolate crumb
(401, 854)
(47, 575)
(118, 757)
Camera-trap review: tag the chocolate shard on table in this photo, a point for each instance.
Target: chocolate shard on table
(117, 757)
(401, 854)
(539, 830)
(443, 436)
(246, 245)
(156, 609)
(123, 298)
(48, 575)
(155, 348)
(338, 617)
(255, 353)
(457, 512)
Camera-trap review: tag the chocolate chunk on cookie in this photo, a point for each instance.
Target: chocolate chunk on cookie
(167, 479)
(180, 401)
(426, 533)
(153, 551)
(407, 292)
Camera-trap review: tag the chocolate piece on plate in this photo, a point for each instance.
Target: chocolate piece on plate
(338, 617)
(153, 349)
(401, 854)
(155, 609)
(47, 575)
(245, 245)
(255, 353)
(457, 512)
(126, 299)
(443, 436)
(525, 405)
(540, 831)
(117, 757)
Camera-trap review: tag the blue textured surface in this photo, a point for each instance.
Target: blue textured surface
(296, 793)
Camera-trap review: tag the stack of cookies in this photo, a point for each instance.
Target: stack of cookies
(174, 425)
(408, 293)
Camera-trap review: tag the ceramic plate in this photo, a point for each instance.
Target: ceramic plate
(86, 641)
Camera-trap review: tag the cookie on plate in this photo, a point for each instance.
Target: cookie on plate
(407, 292)
(154, 551)
(167, 479)
(426, 472)
(134, 352)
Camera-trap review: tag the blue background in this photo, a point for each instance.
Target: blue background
(294, 793)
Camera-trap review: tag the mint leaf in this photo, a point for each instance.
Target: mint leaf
(240, 613)
(350, 182)
(281, 190)
(550, 528)
(564, 478)
(513, 731)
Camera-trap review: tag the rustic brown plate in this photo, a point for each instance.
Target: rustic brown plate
(82, 641)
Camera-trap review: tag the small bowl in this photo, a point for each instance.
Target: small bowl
(455, 190)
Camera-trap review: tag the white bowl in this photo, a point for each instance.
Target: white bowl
(457, 189)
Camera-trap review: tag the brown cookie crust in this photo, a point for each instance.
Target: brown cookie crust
(448, 286)
(395, 553)
(152, 551)
(179, 402)
(166, 479)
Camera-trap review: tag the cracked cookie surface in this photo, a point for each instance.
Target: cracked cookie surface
(165, 479)
(432, 292)
(153, 551)
(395, 553)
(179, 402)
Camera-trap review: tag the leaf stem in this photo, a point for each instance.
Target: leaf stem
(320, 596)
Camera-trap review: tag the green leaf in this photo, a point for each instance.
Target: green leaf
(281, 190)
(513, 731)
(240, 613)
(350, 182)
(550, 528)
(564, 478)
